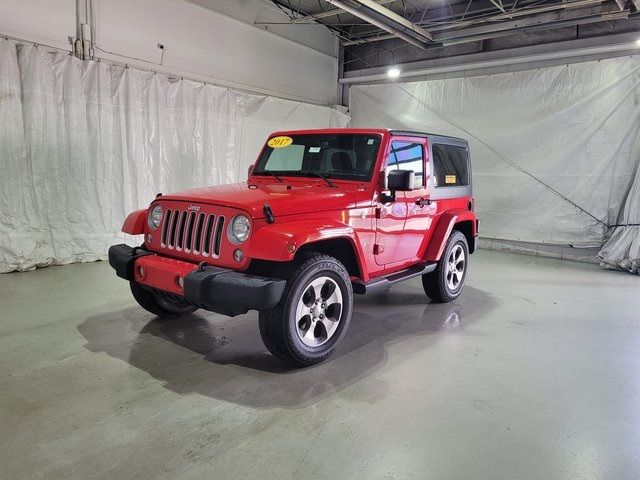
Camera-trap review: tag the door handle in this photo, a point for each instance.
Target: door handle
(423, 201)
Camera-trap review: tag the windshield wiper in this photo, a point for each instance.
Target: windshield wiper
(312, 173)
(270, 172)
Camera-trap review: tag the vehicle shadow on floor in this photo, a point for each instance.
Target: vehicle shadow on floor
(224, 358)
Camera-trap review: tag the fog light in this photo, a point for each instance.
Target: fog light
(238, 255)
(291, 247)
(149, 238)
(141, 271)
(180, 282)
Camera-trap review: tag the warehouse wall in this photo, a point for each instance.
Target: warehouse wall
(554, 149)
(84, 143)
(199, 43)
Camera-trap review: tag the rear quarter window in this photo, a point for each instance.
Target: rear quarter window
(450, 165)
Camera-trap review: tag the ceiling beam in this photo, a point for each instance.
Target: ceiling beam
(333, 12)
(498, 3)
(416, 30)
(367, 17)
(509, 15)
(538, 20)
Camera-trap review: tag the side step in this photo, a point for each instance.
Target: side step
(382, 282)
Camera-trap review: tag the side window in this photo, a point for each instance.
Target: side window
(407, 156)
(287, 158)
(450, 165)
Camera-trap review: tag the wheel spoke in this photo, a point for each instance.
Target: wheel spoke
(335, 297)
(327, 290)
(304, 323)
(309, 334)
(333, 311)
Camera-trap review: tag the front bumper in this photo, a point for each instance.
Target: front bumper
(216, 289)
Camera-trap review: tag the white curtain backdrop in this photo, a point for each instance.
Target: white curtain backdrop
(571, 129)
(84, 143)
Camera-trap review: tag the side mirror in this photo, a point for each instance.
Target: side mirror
(400, 180)
(250, 170)
(397, 181)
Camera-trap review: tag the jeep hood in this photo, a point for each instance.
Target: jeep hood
(284, 199)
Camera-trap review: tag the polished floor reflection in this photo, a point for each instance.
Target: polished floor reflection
(532, 373)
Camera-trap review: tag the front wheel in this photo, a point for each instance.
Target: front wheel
(446, 282)
(313, 314)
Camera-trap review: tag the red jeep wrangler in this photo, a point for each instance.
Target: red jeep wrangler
(324, 214)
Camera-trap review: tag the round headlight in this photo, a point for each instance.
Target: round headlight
(155, 217)
(240, 228)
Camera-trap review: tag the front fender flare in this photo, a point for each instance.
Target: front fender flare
(270, 242)
(134, 223)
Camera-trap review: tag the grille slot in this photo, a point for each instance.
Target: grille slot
(189, 240)
(192, 232)
(172, 232)
(165, 227)
(207, 235)
(180, 232)
(198, 239)
(218, 239)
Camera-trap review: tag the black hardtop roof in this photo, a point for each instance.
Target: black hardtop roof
(410, 133)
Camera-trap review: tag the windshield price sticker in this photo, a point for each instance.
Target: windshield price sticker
(279, 142)
(450, 179)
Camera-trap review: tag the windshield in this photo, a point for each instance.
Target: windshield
(340, 156)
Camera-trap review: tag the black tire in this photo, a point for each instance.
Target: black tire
(159, 305)
(279, 326)
(436, 284)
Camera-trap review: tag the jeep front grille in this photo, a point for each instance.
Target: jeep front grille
(192, 232)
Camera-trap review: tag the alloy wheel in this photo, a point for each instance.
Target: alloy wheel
(456, 263)
(318, 311)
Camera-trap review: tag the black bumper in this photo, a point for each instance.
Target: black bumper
(216, 289)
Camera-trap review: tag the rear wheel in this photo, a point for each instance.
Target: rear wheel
(446, 282)
(313, 314)
(158, 304)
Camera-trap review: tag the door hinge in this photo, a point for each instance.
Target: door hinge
(378, 212)
(378, 248)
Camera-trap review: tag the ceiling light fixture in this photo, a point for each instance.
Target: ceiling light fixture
(393, 72)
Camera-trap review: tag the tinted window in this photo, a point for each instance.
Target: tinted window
(450, 166)
(341, 156)
(407, 156)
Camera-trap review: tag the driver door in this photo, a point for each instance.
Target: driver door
(395, 243)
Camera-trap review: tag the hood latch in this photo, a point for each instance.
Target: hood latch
(268, 213)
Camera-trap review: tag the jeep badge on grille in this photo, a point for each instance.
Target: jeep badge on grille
(194, 208)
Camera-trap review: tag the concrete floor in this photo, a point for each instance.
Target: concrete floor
(533, 373)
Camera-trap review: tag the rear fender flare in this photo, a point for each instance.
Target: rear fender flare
(445, 226)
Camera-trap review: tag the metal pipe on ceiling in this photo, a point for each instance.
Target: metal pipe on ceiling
(357, 12)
